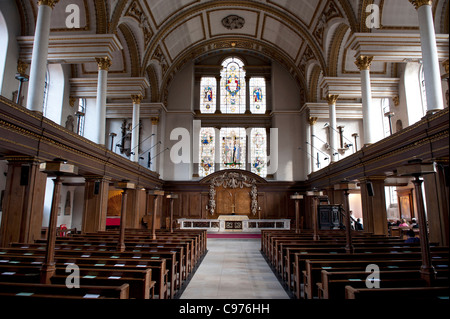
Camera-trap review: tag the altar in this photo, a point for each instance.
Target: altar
(234, 223)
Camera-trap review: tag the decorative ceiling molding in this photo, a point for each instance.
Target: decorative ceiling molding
(123, 110)
(233, 22)
(350, 87)
(237, 44)
(73, 49)
(268, 10)
(344, 110)
(395, 47)
(120, 87)
(133, 50)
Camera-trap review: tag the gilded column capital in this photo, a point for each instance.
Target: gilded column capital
(445, 65)
(136, 98)
(363, 62)
(50, 3)
(72, 101)
(331, 99)
(312, 120)
(155, 120)
(22, 67)
(103, 63)
(418, 3)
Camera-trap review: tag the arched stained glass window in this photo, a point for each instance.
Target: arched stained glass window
(232, 86)
(258, 151)
(208, 89)
(233, 150)
(207, 151)
(257, 88)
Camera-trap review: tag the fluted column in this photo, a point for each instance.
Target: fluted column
(307, 152)
(38, 66)
(430, 59)
(331, 99)
(154, 140)
(312, 121)
(135, 127)
(103, 67)
(363, 64)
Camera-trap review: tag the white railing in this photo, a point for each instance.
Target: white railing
(249, 225)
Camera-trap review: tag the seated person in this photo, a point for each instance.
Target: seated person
(358, 224)
(412, 239)
(414, 223)
(404, 223)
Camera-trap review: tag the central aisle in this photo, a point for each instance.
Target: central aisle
(234, 268)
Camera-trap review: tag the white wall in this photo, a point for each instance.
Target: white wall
(410, 109)
(91, 121)
(179, 115)
(290, 159)
(55, 93)
(9, 50)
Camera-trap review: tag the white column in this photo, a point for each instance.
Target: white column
(312, 121)
(333, 130)
(307, 153)
(135, 127)
(155, 150)
(102, 85)
(363, 63)
(430, 59)
(38, 66)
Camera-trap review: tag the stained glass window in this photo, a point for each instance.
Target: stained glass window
(207, 151)
(232, 86)
(208, 95)
(233, 150)
(258, 151)
(257, 88)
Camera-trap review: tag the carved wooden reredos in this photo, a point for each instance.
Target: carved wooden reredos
(233, 191)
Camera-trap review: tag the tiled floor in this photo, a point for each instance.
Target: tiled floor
(234, 268)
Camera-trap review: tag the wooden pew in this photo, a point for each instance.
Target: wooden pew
(407, 293)
(170, 257)
(313, 272)
(332, 285)
(284, 262)
(336, 249)
(437, 253)
(158, 266)
(186, 259)
(111, 247)
(31, 290)
(140, 284)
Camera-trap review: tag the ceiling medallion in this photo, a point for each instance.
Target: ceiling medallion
(233, 22)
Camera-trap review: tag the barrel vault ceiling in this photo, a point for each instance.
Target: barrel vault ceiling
(307, 37)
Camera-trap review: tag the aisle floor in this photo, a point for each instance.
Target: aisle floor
(234, 268)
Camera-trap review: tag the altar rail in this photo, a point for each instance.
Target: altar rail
(249, 225)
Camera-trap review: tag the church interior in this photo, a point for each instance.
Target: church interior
(153, 134)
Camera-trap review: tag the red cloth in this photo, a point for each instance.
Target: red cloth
(112, 221)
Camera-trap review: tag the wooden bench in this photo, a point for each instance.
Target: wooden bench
(111, 247)
(409, 293)
(284, 267)
(140, 284)
(46, 291)
(437, 253)
(170, 256)
(186, 258)
(332, 285)
(158, 266)
(336, 249)
(313, 272)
